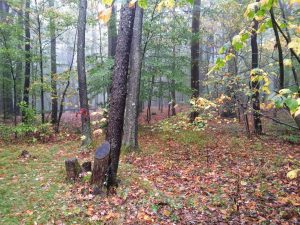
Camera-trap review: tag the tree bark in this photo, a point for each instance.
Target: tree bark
(83, 97)
(27, 54)
(100, 168)
(73, 169)
(280, 55)
(118, 90)
(255, 85)
(41, 65)
(195, 54)
(130, 138)
(54, 105)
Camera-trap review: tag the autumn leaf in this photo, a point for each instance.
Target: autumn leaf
(293, 174)
(107, 2)
(104, 15)
(132, 3)
(294, 1)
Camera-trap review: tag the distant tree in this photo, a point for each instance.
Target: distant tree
(82, 86)
(53, 69)
(195, 54)
(255, 84)
(27, 53)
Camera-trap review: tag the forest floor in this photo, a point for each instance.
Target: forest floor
(181, 176)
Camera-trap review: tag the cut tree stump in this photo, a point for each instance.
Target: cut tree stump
(73, 169)
(101, 163)
(87, 166)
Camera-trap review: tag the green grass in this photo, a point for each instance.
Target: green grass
(31, 190)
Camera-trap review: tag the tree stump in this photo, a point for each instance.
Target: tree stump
(87, 166)
(73, 169)
(101, 163)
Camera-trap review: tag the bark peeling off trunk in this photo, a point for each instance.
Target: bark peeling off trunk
(118, 90)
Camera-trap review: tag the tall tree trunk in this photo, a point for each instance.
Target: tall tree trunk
(62, 101)
(54, 105)
(278, 45)
(41, 64)
(83, 97)
(19, 66)
(195, 54)
(130, 138)
(27, 54)
(118, 90)
(112, 38)
(255, 85)
(288, 40)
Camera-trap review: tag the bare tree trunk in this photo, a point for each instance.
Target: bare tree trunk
(288, 36)
(112, 38)
(130, 138)
(118, 90)
(41, 65)
(53, 70)
(82, 86)
(61, 106)
(255, 85)
(278, 44)
(195, 54)
(27, 55)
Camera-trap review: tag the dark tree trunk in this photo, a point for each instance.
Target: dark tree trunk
(130, 138)
(83, 97)
(112, 39)
(288, 40)
(118, 90)
(112, 33)
(255, 85)
(27, 54)
(41, 65)
(195, 54)
(278, 45)
(54, 105)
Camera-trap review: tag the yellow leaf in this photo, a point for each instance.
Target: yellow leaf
(104, 15)
(167, 213)
(132, 3)
(294, 1)
(293, 174)
(169, 3)
(107, 2)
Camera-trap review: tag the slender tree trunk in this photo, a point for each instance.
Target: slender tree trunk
(54, 105)
(61, 106)
(280, 55)
(83, 97)
(195, 54)
(288, 41)
(112, 38)
(130, 138)
(118, 90)
(255, 85)
(27, 54)
(41, 65)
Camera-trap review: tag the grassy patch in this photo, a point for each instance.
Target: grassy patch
(32, 190)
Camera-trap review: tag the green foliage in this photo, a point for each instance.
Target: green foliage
(288, 98)
(29, 115)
